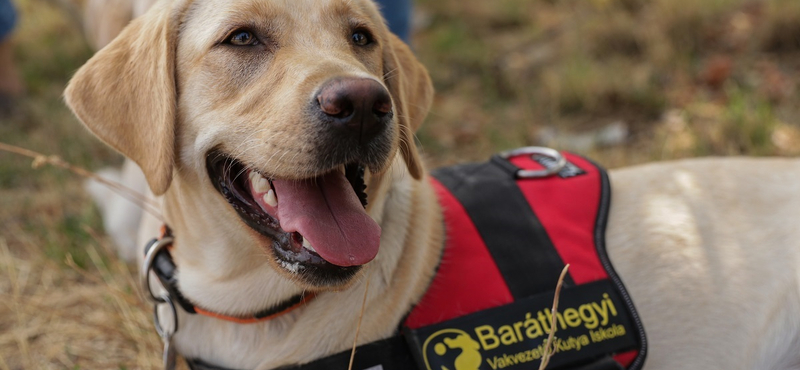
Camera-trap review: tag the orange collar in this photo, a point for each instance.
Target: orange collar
(164, 268)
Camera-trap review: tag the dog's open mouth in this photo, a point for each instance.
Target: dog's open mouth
(319, 227)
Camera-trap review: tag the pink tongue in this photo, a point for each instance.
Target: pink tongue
(327, 212)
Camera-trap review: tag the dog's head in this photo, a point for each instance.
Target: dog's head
(275, 107)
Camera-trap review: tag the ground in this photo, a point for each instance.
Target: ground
(622, 81)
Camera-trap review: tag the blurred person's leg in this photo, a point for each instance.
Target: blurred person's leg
(398, 16)
(10, 83)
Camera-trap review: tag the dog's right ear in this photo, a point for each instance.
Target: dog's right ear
(126, 93)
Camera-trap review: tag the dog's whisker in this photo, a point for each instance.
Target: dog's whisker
(244, 170)
(391, 73)
(280, 159)
(239, 149)
(267, 163)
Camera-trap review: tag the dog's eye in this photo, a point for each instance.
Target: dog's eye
(361, 38)
(242, 38)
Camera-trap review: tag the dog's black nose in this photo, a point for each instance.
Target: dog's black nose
(356, 106)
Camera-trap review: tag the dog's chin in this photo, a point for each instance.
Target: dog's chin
(255, 197)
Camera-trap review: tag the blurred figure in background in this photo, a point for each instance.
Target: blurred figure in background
(10, 82)
(398, 17)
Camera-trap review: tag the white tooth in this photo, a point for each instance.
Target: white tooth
(261, 185)
(270, 198)
(307, 245)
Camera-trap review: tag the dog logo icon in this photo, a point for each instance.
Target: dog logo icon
(451, 349)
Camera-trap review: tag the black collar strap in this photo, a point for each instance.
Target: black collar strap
(164, 268)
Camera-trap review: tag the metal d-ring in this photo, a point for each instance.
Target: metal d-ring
(169, 353)
(144, 273)
(162, 332)
(560, 161)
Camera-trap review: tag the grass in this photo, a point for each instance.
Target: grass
(685, 78)
(67, 303)
(579, 65)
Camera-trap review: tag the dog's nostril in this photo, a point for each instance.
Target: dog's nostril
(335, 105)
(382, 106)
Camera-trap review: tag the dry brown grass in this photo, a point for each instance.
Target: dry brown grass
(65, 301)
(69, 316)
(56, 318)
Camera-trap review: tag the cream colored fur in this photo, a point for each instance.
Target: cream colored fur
(708, 248)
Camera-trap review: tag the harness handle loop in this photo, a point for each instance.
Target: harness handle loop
(152, 249)
(560, 161)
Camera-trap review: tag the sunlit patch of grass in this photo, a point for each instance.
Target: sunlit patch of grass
(584, 87)
(744, 124)
(750, 122)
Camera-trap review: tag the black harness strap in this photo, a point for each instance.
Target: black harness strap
(508, 238)
(387, 354)
(196, 364)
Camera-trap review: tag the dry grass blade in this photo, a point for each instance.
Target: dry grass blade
(358, 326)
(548, 347)
(40, 159)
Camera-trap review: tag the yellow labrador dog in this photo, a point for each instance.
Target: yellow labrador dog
(257, 123)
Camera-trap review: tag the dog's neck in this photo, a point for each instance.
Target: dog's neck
(219, 269)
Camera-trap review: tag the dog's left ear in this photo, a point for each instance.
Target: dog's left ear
(412, 92)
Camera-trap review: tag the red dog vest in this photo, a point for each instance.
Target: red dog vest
(508, 238)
